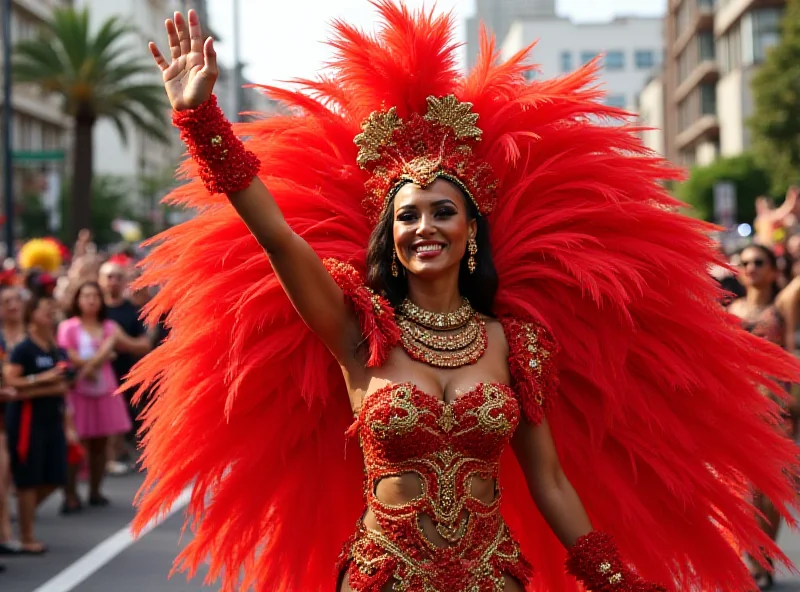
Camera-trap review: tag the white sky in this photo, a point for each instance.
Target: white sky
(282, 39)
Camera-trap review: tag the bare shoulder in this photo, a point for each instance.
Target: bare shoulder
(492, 324)
(495, 331)
(736, 307)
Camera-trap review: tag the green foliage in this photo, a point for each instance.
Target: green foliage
(33, 217)
(96, 75)
(776, 120)
(110, 200)
(750, 180)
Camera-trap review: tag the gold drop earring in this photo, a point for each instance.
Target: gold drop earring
(472, 247)
(395, 271)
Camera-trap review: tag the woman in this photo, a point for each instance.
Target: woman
(491, 314)
(35, 417)
(12, 332)
(89, 339)
(769, 314)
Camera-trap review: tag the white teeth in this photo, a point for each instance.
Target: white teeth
(428, 248)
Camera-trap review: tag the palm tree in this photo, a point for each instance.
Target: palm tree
(97, 78)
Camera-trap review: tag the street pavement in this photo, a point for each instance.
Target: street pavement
(97, 543)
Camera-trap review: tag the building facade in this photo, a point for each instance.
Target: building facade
(632, 49)
(38, 127)
(143, 158)
(651, 111)
(498, 15)
(714, 48)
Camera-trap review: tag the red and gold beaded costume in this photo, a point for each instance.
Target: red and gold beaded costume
(405, 430)
(252, 411)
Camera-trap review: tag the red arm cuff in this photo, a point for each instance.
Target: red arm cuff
(226, 166)
(595, 560)
(374, 312)
(532, 361)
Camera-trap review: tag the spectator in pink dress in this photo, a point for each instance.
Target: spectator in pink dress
(89, 339)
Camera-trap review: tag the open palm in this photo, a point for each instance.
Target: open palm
(189, 79)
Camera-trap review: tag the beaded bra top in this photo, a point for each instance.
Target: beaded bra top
(404, 429)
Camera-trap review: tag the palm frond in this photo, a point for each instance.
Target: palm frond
(121, 129)
(34, 59)
(149, 125)
(110, 33)
(99, 72)
(70, 29)
(121, 69)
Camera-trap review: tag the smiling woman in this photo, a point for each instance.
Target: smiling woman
(445, 222)
(510, 340)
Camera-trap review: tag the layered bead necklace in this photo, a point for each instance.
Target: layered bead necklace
(445, 340)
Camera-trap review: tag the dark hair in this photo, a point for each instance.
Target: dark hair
(479, 287)
(75, 310)
(32, 305)
(772, 260)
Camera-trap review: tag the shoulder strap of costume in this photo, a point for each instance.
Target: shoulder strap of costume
(374, 312)
(532, 353)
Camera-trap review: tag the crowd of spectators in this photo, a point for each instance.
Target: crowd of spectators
(70, 331)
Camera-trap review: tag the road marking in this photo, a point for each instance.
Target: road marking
(104, 552)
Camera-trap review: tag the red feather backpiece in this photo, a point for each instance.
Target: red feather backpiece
(660, 423)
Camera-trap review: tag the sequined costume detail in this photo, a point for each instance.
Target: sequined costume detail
(405, 430)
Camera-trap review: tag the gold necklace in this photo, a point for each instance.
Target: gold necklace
(438, 321)
(443, 340)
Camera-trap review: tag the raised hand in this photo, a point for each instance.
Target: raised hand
(189, 79)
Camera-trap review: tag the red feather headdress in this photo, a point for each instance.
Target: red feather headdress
(659, 413)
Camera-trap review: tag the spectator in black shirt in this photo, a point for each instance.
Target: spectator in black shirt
(35, 417)
(12, 332)
(126, 315)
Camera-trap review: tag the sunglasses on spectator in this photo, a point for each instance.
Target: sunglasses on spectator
(757, 263)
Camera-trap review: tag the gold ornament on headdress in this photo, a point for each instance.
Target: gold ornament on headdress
(421, 149)
(378, 129)
(452, 113)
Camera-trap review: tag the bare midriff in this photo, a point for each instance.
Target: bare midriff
(398, 490)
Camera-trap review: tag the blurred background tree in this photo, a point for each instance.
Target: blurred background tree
(749, 178)
(97, 76)
(775, 123)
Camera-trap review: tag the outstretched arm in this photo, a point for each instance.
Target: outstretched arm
(593, 557)
(788, 205)
(552, 492)
(189, 80)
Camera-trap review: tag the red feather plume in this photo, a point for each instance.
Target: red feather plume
(659, 423)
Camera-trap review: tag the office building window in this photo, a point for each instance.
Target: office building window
(616, 100)
(708, 99)
(685, 66)
(51, 137)
(587, 56)
(706, 45)
(766, 31)
(730, 49)
(22, 27)
(682, 19)
(566, 61)
(615, 60)
(645, 59)
(685, 118)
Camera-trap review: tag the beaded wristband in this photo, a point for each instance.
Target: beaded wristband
(226, 166)
(595, 560)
